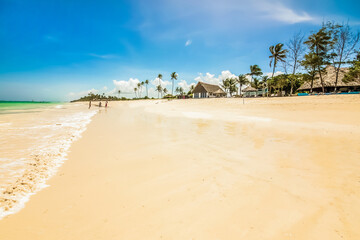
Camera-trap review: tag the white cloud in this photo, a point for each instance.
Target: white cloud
(210, 78)
(188, 42)
(185, 85)
(275, 74)
(155, 82)
(278, 11)
(126, 86)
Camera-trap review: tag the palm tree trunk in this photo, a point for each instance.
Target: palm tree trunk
(272, 76)
(321, 79)
(147, 92)
(172, 88)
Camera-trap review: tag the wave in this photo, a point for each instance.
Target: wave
(44, 162)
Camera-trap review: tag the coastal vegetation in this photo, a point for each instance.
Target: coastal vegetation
(306, 58)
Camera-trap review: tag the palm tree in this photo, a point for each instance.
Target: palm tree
(159, 90)
(147, 92)
(225, 85)
(277, 54)
(255, 70)
(242, 80)
(264, 82)
(319, 43)
(165, 91)
(119, 92)
(135, 91)
(139, 87)
(181, 91)
(142, 84)
(160, 78)
(173, 77)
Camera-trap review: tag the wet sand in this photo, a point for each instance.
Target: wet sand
(280, 168)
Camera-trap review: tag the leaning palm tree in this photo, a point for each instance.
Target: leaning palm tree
(135, 91)
(319, 43)
(165, 91)
(159, 90)
(147, 92)
(242, 80)
(278, 54)
(160, 78)
(255, 70)
(173, 77)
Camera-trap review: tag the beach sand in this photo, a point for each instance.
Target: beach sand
(278, 168)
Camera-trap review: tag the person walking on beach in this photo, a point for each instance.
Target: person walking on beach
(100, 104)
(106, 104)
(89, 104)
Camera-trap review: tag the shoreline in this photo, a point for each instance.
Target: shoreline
(146, 170)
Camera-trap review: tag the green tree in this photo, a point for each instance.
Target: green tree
(320, 43)
(242, 80)
(354, 70)
(159, 90)
(147, 83)
(255, 70)
(135, 91)
(278, 54)
(173, 76)
(119, 92)
(160, 78)
(256, 83)
(139, 89)
(310, 63)
(225, 85)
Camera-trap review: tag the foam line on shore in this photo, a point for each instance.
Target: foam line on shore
(44, 163)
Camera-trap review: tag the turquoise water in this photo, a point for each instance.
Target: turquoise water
(6, 106)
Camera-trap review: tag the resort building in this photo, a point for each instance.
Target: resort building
(329, 79)
(205, 90)
(253, 92)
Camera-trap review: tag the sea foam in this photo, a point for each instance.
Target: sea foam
(43, 160)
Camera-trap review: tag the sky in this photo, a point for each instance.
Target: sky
(61, 50)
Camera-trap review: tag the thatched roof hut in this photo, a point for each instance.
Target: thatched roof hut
(204, 90)
(250, 89)
(329, 81)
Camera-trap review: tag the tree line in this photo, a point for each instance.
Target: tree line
(304, 59)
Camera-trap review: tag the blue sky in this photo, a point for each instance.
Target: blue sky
(60, 50)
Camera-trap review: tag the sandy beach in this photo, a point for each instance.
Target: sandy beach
(277, 168)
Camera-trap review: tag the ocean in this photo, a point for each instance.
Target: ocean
(34, 141)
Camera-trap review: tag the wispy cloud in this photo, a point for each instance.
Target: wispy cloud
(50, 38)
(279, 12)
(188, 43)
(105, 56)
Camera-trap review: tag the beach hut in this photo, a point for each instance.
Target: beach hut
(250, 92)
(206, 90)
(329, 82)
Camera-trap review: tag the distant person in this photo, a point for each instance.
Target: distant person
(106, 104)
(89, 104)
(99, 104)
